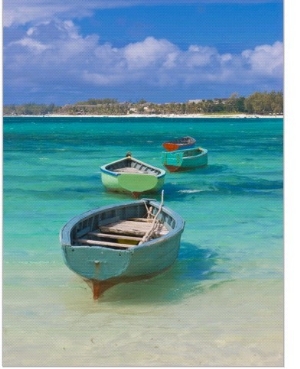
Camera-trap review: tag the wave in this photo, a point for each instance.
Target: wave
(190, 191)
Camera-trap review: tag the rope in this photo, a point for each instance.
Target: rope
(154, 223)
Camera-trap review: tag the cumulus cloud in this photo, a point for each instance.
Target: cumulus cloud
(22, 12)
(34, 46)
(55, 53)
(265, 59)
(149, 52)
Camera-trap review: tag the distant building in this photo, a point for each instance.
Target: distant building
(195, 101)
(221, 100)
(215, 101)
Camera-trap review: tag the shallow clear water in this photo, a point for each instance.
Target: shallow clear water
(220, 304)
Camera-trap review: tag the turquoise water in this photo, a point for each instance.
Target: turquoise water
(221, 303)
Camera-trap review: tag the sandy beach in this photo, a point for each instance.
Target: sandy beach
(194, 116)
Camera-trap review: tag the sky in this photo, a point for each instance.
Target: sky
(160, 51)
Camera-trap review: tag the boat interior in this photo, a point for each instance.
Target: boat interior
(193, 152)
(129, 165)
(183, 140)
(110, 230)
(124, 233)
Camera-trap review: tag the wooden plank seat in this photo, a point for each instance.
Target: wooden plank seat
(124, 230)
(147, 220)
(132, 228)
(103, 243)
(114, 236)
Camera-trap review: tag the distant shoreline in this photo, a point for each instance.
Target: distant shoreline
(200, 116)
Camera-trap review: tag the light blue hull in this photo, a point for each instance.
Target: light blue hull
(117, 264)
(183, 160)
(134, 262)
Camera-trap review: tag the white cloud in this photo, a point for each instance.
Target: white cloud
(33, 45)
(149, 52)
(22, 12)
(199, 56)
(265, 59)
(55, 53)
(100, 79)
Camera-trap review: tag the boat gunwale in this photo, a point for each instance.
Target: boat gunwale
(179, 143)
(181, 161)
(202, 151)
(65, 232)
(104, 169)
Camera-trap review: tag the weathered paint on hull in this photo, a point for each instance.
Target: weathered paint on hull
(104, 268)
(104, 263)
(180, 144)
(99, 287)
(173, 147)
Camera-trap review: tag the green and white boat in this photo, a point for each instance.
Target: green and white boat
(183, 160)
(121, 243)
(133, 176)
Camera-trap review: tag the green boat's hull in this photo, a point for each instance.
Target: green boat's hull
(129, 175)
(140, 183)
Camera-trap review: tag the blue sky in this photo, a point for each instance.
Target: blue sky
(67, 51)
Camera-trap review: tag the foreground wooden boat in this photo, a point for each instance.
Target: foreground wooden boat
(180, 143)
(183, 160)
(133, 176)
(121, 243)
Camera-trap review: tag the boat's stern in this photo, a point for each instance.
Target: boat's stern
(96, 263)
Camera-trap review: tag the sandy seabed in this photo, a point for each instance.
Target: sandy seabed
(237, 324)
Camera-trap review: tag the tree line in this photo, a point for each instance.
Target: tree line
(262, 103)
